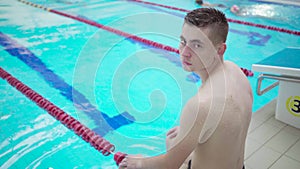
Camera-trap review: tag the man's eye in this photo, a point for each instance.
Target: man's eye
(182, 42)
(197, 45)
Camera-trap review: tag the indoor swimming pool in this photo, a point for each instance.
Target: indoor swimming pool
(112, 65)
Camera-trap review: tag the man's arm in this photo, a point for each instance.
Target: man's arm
(191, 122)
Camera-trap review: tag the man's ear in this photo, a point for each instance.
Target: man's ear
(222, 49)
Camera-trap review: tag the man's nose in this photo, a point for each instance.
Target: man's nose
(186, 51)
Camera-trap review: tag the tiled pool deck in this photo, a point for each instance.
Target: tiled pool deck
(271, 144)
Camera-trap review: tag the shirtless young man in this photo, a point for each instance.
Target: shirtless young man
(214, 123)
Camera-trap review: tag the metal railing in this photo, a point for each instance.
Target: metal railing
(275, 77)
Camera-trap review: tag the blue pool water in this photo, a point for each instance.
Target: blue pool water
(94, 75)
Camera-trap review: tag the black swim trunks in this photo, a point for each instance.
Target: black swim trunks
(190, 164)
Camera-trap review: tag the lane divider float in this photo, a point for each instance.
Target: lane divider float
(228, 19)
(95, 140)
(118, 32)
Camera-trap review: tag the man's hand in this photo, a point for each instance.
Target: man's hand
(172, 133)
(131, 162)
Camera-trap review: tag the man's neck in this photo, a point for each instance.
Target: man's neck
(207, 72)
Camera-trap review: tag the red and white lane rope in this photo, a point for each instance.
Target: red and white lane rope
(118, 32)
(96, 141)
(228, 19)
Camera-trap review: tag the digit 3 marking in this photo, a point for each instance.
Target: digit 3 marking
(293, 105)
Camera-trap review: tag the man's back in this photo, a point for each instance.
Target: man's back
(225, 148)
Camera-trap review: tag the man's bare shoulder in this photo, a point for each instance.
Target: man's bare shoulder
(231, 63)
(199, 103)
(193, 116)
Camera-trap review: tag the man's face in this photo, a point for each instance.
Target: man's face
(196, 50)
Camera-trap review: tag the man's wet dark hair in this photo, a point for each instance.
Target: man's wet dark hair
(210, 18)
